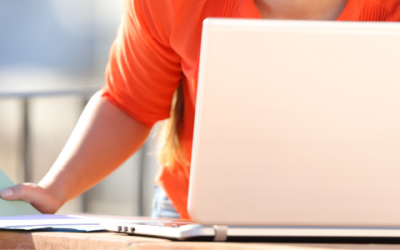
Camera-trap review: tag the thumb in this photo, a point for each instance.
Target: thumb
(17, 192)
(7, 193)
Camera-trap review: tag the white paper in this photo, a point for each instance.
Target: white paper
(62, 222)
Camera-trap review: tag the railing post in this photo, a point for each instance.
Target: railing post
(26, 152)
(85, 195)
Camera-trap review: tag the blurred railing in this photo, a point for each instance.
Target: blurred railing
(84, 92)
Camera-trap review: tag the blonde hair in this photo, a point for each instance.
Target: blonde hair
(169, 149)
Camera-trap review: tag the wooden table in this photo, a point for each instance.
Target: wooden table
(108, 240)
(63, 240)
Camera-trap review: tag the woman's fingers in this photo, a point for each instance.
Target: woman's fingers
(40, 198)
(19, 192)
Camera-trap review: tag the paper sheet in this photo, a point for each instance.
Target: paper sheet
(60, 222)
(10, 208)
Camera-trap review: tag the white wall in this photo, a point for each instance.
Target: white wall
(10, 130)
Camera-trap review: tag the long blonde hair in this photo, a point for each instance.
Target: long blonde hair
(170, 152)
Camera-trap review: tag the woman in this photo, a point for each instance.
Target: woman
(155, 55)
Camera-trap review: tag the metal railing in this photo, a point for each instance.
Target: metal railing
(85, 92)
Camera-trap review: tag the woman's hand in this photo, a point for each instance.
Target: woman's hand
(40, 198)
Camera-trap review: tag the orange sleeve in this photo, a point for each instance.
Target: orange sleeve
(395, 16)
(143, 70)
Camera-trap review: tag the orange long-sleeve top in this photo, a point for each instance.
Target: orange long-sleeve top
(158, 46)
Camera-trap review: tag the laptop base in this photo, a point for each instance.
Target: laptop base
(196, 232)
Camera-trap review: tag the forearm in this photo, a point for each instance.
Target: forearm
(103, 139)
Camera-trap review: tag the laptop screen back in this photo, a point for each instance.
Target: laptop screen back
(297, 124)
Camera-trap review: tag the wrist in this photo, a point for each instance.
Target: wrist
(54, 191)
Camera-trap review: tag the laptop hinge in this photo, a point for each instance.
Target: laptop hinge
(221, 233)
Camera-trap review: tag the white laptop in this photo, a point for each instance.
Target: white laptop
(297, 132)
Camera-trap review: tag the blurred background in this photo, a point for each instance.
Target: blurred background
(52, 59)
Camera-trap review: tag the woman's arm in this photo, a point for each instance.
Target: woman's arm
(103, 139)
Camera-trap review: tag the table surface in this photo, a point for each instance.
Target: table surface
(106, 240)
(109, 240)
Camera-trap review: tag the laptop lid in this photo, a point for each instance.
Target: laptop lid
(297, 124)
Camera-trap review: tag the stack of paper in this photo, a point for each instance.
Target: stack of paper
(50, 221)
(61, 222)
